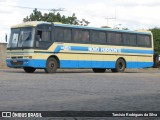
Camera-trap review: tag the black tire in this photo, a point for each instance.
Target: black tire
(120, 66)
(29, 69)
(99, 70)
(51, 65)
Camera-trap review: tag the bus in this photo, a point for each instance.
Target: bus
(49, 46)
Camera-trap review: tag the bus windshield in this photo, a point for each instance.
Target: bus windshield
(21, 38)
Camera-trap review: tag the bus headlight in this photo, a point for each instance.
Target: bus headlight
(26, 62)
(27, 57)
(8, 57)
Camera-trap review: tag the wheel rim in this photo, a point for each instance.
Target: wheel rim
(51, 65)
(120, 65)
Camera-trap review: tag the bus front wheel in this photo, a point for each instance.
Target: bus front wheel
(29, 69)
(120, 66)
(99, 70)
(51, 65)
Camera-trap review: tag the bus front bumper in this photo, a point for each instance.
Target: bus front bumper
(20, 63)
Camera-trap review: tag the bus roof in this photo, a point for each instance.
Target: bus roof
(35, 23)
(29, 24)
(105, 29)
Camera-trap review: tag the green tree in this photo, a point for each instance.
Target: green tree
(55, 17)
(156, 37)
(35, 16)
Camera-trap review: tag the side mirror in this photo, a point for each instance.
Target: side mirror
(6, 37)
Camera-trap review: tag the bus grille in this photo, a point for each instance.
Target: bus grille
(19, 57)
(18, 63)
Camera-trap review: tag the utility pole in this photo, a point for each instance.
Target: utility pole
(109, 18)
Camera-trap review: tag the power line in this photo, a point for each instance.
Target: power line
(23, 7)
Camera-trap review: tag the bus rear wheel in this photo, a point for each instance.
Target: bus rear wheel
(99, 70)
(120, 66)
(29, 69)
(51, 65)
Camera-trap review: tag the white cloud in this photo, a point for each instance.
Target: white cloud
(131, 14)
(9, 16)
(132, 3)
(140, 16)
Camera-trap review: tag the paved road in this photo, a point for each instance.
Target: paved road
(79, 90)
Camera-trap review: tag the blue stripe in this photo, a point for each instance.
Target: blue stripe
(28, 63)
(58, 49)
(101, 64)
(137, 51)
(139, 64)
(81, 48)
(86, 64)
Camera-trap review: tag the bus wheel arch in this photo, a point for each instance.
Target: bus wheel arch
(120, 65)
(58, 61)
(52, 64)
(124, 61)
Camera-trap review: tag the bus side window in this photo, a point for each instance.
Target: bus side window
(39, 34)
(59, 35)
(84, 36)
(129, 39)
(80, 36)
(67, 35)
(76, 35)
(46, 36)
(144, 40)
(38, 37)
(114, 38)
(62, 34)
(43, 38)
(98, 37)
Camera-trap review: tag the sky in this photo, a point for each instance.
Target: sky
(132, 14)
